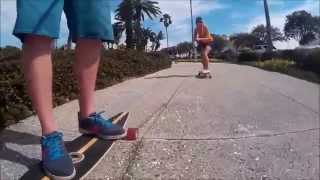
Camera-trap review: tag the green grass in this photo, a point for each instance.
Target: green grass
(277, 65)
(286, 67)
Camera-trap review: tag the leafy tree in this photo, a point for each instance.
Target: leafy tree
(260, 32)
(242, 40)
(166, 19)
(185, 49)
(307, 38)
(301, 26)
(219, 43)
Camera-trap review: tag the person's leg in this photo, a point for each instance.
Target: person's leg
(36, 29)
(37, 67)
(88, 53)
(205, 57)
(86, 68)
(89, 30)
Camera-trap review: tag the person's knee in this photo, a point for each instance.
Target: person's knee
(203, 53)
(36, 46)
(89, 43)
(37, 42)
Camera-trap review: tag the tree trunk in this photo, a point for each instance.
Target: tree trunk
(129, 34)
(138, 32)
(139, 36)
(269, 40)
(69, 44)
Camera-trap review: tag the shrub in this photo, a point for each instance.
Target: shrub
(247, 55)
(286, 54)
(267, 56)
(278, 65)
(228, 55)
(308, 59)
(314, 61)
(116, 66)
(9, 52)
(288, 67)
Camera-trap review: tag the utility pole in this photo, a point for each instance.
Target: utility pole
(192, 40)
(266, 10)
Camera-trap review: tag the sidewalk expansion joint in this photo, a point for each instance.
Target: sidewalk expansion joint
(233, 138)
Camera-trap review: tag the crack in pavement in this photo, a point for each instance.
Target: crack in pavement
(157, 113)
(234, 138)
(292, 99)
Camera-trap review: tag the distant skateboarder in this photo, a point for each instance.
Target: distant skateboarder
(37, 24)
(203, 38)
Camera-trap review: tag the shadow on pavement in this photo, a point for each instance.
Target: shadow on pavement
(20, 138)
(170, 76)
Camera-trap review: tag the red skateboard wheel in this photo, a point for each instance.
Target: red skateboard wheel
(132, 133)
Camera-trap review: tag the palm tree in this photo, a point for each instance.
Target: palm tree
(142, 8)
(269, 40)
(125, 13)
(146, 35)
(132, 12)
(159, 37)
(155, 40)
(118, 29)
(166, 19)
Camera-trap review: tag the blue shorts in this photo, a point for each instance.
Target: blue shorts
(86, 18)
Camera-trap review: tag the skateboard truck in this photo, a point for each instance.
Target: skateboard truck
(76, 157)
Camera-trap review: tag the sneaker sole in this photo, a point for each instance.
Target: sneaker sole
(115, 137)
(50, 175)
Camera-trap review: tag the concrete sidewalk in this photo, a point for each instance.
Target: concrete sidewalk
(244, 123)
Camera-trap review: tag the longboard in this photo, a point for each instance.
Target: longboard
(202, 75)
(86, 152)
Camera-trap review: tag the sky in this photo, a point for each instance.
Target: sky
(221, 16)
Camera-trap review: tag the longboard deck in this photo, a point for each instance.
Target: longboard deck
(204, 75)
(91, 147)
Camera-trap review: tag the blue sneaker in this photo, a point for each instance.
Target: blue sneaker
(56, 162)
(101, 127)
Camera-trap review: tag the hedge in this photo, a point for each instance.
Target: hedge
(116, 66)
(306, 59)
(247, 55)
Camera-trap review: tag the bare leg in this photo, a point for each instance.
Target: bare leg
(86, 68)
(205, 58)
(37, 67)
